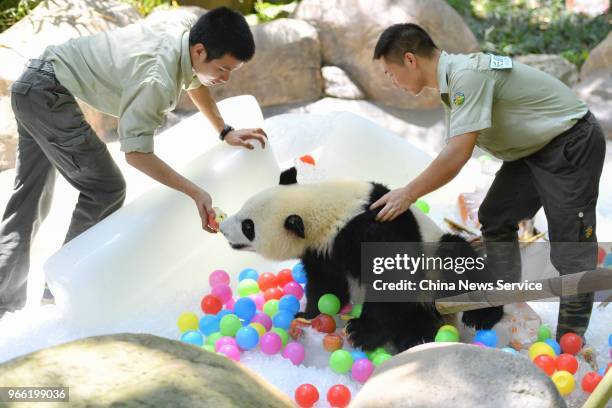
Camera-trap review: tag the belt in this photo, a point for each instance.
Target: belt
(42, 65)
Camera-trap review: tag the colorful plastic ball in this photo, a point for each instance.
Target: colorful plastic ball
(358, 354)
(211, 339)
(380, 358)
(356, 311)
(282, 333)
(223, 292)
(543, 333)
(267, 280)
(295, 289)
(248, 273)
(486, 337)
(607, 262)
(229, 325)
(545, 363)
(289, 303)
(373, 353)
(590, 381)
(224, 312)
(209, 324)
(247, 287)
(571, 343)
(188, 321)
(362, 370)
(422, 205)
(210, 348)
(509, 350)
(295, 352)
(225, 340)
(270, 343)
(610, 340)
(324, 323)
(601, 255)
(284, 276)
(263, 319)
(273, 293)
(346, 309)
(283, 319)
(332, 342)
(566, 362)
(340, 361)
(446, 336)
(329, 304)
(230, 351)
(261, 330)
(218, 277)
(271, 307)
(245, 308)
(211, 304)
(306, 395)
(564, 381)
(259, 300)
(339, 396)
(298, 272)
(230, 303)
(539, 348)
(555, 346)
(479, 344)
(451, 328)
(308, 159)
(193, 337)
(247, 337)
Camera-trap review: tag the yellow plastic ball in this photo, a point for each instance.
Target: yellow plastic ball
(449, 327)
(261, 330)
(539, 348)
(188, 321)
(564, 381)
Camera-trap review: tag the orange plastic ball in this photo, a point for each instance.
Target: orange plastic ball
(266, 281)
(590, 381)
(306, 395)
(284, 277)
(332, 342)
(307, 159)
(546, 363)
(339, 396)
(273, 293)
(566, 362)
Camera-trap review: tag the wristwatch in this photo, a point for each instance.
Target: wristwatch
(226, 129)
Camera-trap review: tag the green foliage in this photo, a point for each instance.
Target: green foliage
(11, 11)
(146, 7)
(532, 26)
(267, 11)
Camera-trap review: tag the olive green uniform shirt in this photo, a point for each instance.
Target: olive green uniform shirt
(134, 73)
(516, 108)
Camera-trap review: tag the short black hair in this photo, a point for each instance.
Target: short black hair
(223, 31)
(399, 39)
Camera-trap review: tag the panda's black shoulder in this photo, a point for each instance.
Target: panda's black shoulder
(378, 190)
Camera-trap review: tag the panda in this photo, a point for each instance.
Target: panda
(323, 224)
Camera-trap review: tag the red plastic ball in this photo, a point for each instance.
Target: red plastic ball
(284, 277)
(546, 363)
(566, 362)
(339, 396)
(273, 293)
(324, 323)
(571, 343)
(306, 395)
(307, 159)
(590, 381)
(211, 304)
(601, 254)
(266, 281)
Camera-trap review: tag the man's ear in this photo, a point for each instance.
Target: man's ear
(409, 59)
(295, 224)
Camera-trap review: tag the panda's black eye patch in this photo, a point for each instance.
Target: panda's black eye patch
(248, 229)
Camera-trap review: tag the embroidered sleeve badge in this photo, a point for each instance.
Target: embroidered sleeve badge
(458, 99)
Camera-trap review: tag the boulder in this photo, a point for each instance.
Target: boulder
(600, 58)
(554, 65)
(596, 91)
(136, 370)
(243, 6)
(339, 85)
(349, 29)
(461, 375)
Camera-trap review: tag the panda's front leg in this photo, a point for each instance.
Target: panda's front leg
(322, 277)
(369, 330)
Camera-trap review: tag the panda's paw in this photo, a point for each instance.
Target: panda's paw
(483, 318)
(362, 334)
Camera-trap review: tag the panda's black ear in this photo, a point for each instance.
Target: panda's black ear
(295, 224)
(288, 176)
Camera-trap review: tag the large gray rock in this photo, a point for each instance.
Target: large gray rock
(596, 91)
(339, 85)
(459, 375)
(349, 29)
(600, 58)
(141, 370)
(554, 65)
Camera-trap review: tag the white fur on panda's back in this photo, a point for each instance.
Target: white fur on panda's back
(430, 231)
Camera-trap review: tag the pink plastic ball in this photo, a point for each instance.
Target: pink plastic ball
(224, 341)
(231, 352)
(346, 309)
(223, 292)
(263, 319)
(259, 300)
(294, 288)
(270, 343)
(477, 343)
(362, 370)
(295, 352)
(230, 303)
(218, 277)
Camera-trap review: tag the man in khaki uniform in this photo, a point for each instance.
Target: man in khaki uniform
(136, 74)
(552, 147)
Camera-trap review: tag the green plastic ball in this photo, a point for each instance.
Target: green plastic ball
(485, 158)
(282, 333)
(247, 287)
(212, 338)
(209, 347)
(544, 333)
(451, 328)
(380, 358)
(373, 353)
(340, 361)
(422, 205)
(188, 321)
(229, 325)
(271, 307)
(329, 304)
(446, 336)
(356, 310)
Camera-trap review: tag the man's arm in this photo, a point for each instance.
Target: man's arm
(441, 170)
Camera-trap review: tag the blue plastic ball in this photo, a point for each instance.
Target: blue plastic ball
(283, 319)
(299, 273)
(509, 350)
(602, 371)
(486, 337)
(357, 354)
(245, 308)
(555, 346)
(224, 312)
(209, 324)
(247, 337)
(289, 303)
(193, 337)
(248, 273)
(610, 340)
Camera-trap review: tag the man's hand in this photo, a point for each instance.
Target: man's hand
(204, 203)
(239, 137)
(395, 203)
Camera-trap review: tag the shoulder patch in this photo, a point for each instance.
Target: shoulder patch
(500, 62)
(458, 99)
